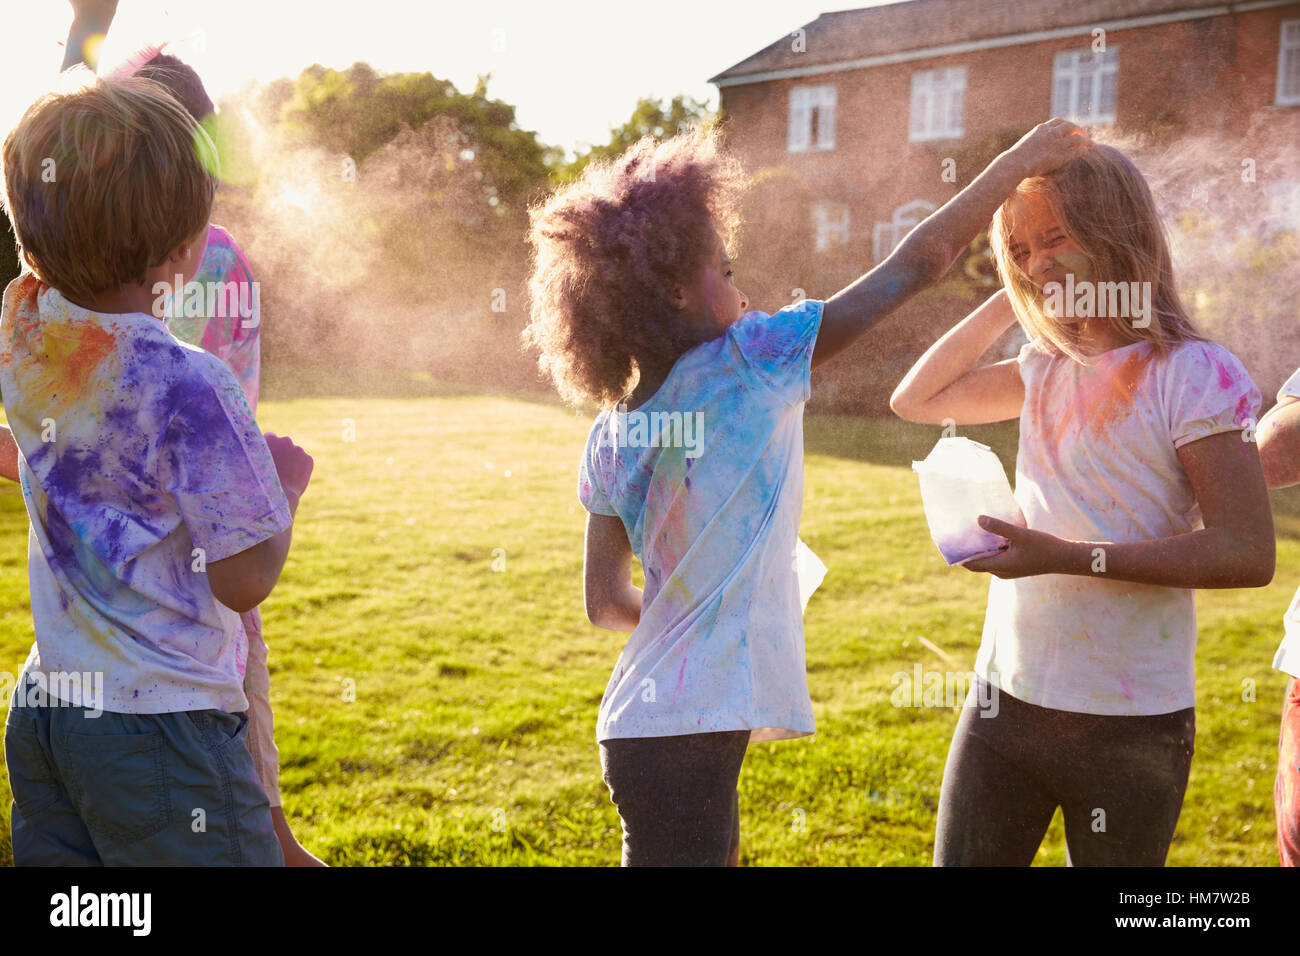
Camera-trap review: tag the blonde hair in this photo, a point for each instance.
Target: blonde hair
(101, 183)
(1104, 205)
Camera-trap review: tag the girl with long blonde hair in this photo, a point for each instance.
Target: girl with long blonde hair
(1140, 482)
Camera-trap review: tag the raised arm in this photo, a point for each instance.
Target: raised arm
(89, 18)
(930, 249)
(944, 384)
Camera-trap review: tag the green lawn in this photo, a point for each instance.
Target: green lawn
(471, 738)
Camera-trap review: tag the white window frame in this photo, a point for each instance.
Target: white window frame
(1288, 45)
(886, 235)
(805, 102)
(1076, 68)
(831, 223)
(1283, 213)
(938, 106)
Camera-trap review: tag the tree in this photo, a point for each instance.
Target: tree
(650, 118)
(357, 111)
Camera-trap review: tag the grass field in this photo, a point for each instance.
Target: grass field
(471, 737)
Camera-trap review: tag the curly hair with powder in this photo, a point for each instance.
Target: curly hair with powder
(607, 250)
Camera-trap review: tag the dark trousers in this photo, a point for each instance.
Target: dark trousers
(1118, 780)
(676, 796)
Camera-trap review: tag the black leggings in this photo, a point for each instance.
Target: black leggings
(676, 796)
(1119, 781)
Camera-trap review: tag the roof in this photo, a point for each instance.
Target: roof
(847, 36)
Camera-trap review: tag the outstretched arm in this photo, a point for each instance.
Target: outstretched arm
(931, 248)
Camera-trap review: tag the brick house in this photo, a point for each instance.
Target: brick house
(867, 104)
(884, 113)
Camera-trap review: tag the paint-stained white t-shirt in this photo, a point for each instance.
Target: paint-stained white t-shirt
(141, 464)
(707, 478)
(1098, 462)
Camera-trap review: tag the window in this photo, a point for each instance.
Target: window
(1288, 65)
(812, 119)
(1283, 207)
(1084, 84)
(938, 104)
(886, 235)
(831, 221)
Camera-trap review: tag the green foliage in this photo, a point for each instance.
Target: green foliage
(357, 111)
(651, 117)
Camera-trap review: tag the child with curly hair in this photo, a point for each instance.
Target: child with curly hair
(695, 462)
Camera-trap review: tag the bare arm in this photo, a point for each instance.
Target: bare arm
(944, 385)
(1279, 442)
(8, 454)
(931, 248)
(1235, 549)
(89, 18)
(243, 581)
(612, 600)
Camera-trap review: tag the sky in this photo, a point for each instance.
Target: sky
(572, 76)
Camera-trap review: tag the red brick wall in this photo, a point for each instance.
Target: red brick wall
(1215, 75)
(1182, 81)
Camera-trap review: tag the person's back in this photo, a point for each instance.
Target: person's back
(131, 464)
(157, 513)
(707, 478)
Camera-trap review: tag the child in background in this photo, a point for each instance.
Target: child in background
(635, 307)
(138, 453)
(1139, 481)
(233, 338)
(1279, 451)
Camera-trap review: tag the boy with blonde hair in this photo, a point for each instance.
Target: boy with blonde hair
(158, 510)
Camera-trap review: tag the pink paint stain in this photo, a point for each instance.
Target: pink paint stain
(1244, 409)
(1128, 688)
(1226, 379)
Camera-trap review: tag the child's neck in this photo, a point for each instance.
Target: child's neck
(645, 390)
(1098, 338)
(126, 299)
(649, 381)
